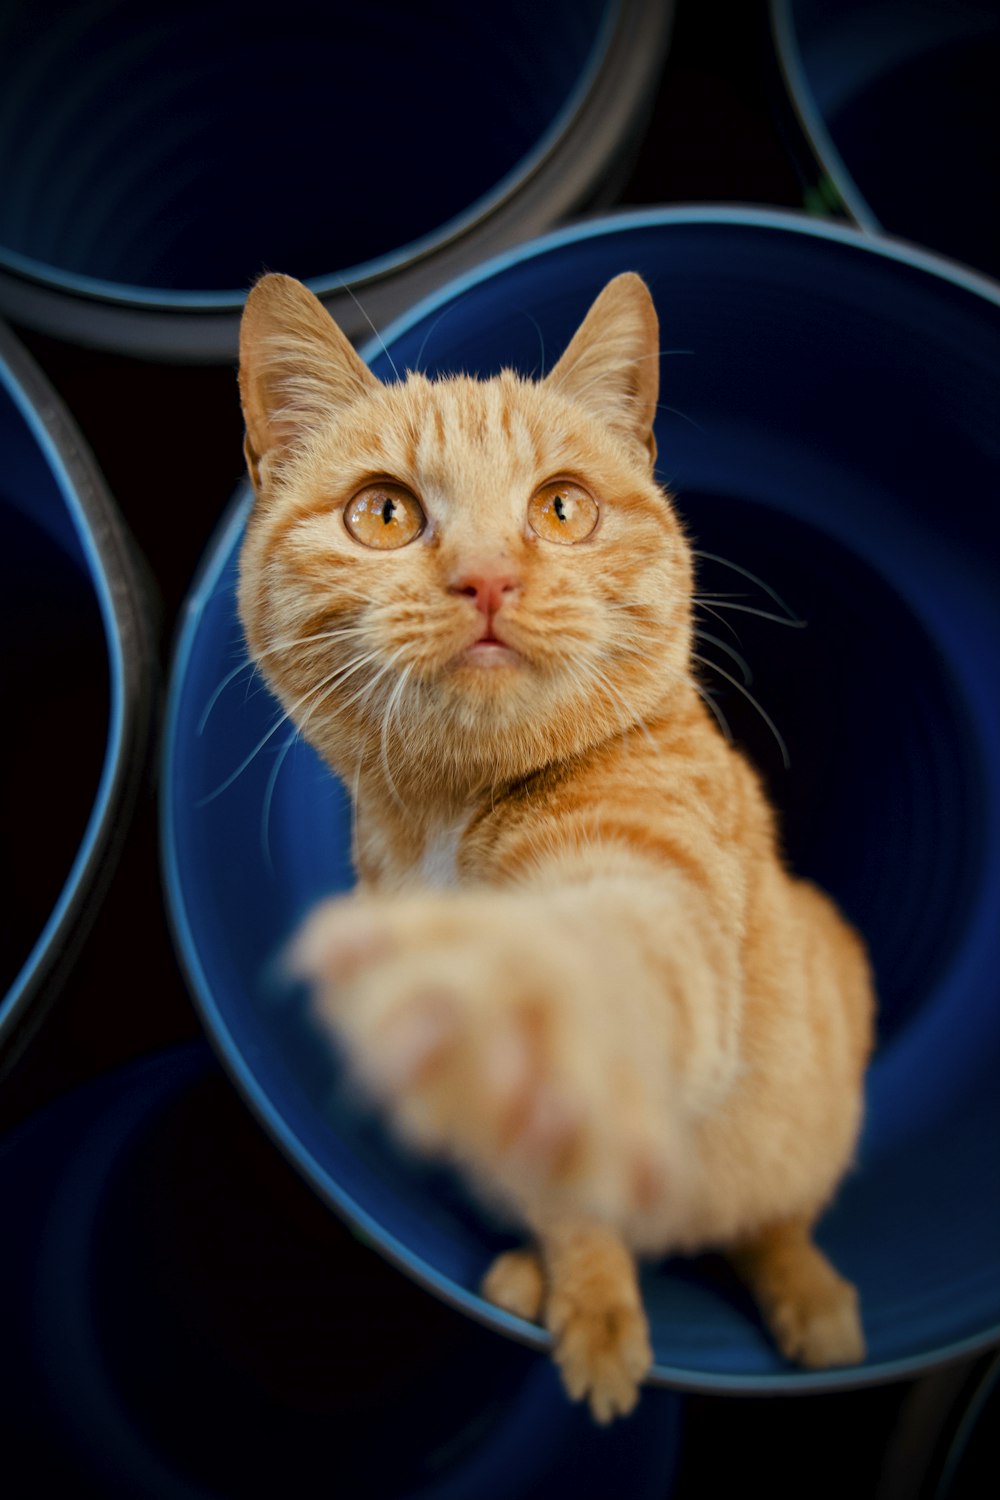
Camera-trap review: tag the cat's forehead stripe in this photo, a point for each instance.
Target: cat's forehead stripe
(466, 420)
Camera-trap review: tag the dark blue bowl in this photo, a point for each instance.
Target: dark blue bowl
(901, 106)
(157, 155)
(78, 683)
(829, 423)
(191, 1323)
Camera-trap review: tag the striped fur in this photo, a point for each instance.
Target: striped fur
(576, 965)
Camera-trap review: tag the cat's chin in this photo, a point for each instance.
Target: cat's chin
(488, 655)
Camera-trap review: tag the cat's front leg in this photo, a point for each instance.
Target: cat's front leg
(582, 1285)
(484, 1026)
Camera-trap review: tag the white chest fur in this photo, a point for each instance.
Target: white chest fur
(439, 862)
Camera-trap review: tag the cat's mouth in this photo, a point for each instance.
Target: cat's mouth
(490, 653)
(489, 649)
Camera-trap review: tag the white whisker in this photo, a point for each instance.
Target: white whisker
(391, 708)
(265, 811)
(627, 719)
(745, 572)
(714, 667)
(385, 348)
(727, 624)
(541, 337)
(327, 685)
(675, 411)
(230, 677)
(341, 633)
(747, 609)
(716, 711)
(741, 661)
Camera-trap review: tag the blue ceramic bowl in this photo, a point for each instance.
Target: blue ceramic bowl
(901, 106)
(78, 687)
(829, 424)
(157, 155)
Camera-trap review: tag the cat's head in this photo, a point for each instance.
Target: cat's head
(463, 579)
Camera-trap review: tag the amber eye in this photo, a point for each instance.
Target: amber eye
(562, 512)
(384, 516)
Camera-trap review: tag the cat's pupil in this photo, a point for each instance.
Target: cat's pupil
(388, 511)
(560, 507)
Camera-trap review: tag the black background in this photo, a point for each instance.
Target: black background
(168, 440)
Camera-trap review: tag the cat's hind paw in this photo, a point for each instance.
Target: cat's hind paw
(516, 1282)
(811, 1310)
(823, 1331)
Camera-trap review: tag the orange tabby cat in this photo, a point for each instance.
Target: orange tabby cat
(575, 965)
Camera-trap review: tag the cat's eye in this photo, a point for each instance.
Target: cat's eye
(384, 516)
(562, 511)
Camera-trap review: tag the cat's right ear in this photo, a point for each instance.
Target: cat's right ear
(296, 369)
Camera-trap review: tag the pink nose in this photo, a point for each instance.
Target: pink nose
(486, 588)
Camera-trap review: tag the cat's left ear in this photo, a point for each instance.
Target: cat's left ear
(612, 364)
(296, 369)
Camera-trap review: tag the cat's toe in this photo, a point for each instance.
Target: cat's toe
(337, 941)
(516, 1282)
(603, 1354)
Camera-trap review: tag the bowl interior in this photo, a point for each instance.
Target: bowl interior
(170, 146)
(195, 1322)
(827, 426)
(909, 114)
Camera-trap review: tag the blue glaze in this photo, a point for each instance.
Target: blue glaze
(50, 547)
(899, 101)
(158, 156)
(828, 420)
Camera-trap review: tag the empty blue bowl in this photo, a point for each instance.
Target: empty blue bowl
(158, 155)
(78, 679)
(829, 424)
(901, 106)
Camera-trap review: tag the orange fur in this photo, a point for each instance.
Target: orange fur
(576, 965)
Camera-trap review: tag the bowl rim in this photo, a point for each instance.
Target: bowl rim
(114, 572)
(218, 557)
(559, 174)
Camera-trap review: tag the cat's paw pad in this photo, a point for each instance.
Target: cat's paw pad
(822, 1330)
(602, 1351)
(516, 1282)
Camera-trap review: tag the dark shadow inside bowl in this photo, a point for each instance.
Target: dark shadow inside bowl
(908, 113)
(869, 756)
(195, 1323)
(179, 147)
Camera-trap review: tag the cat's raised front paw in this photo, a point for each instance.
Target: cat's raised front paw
(516, 1282)
(447, 1017)
(489, 1034)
